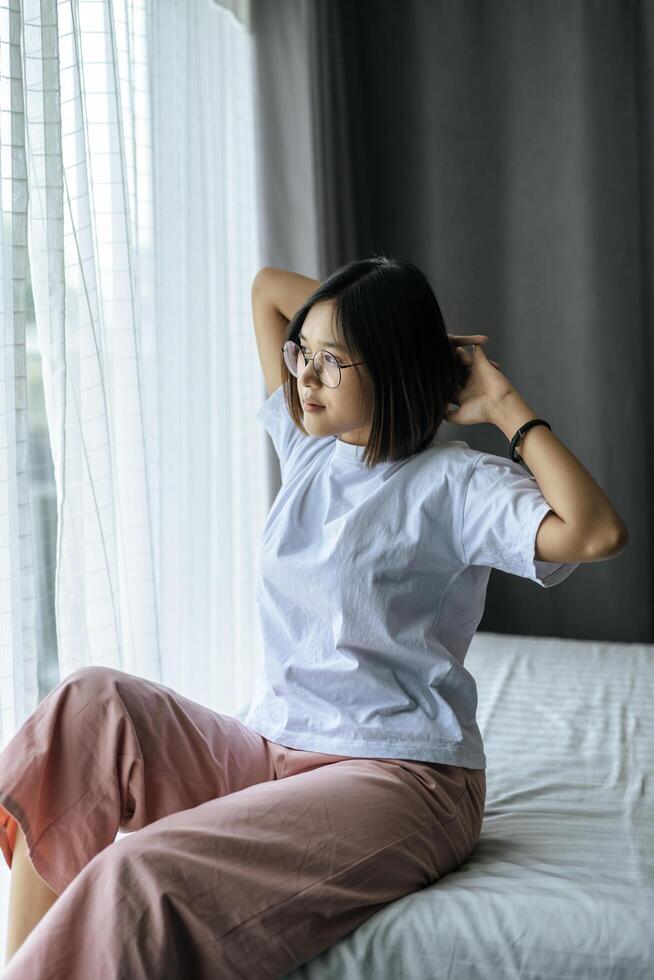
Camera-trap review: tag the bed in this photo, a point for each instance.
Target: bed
(561, 883)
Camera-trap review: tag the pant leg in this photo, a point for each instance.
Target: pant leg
(107, 750)
(253, 884)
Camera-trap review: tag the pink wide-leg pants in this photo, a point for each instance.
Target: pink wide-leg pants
(249, 858)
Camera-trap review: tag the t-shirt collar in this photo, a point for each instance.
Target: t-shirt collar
(348, 450)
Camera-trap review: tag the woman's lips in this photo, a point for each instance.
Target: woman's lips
(311, 407)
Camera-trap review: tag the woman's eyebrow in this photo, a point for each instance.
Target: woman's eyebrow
(323, 343)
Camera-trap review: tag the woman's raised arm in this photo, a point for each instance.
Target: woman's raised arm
(276, 295)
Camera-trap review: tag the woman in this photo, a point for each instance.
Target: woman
(358, 774)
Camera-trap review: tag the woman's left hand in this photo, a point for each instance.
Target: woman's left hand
(485, 387)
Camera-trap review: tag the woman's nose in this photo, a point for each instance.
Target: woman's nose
(310, 367)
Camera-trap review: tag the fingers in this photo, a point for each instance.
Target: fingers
(468, 357)
(468, 338)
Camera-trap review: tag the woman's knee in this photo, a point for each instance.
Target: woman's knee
(93, 677)
(84, 690)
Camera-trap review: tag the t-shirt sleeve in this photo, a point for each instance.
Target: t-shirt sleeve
(503, 507)
(291, 445)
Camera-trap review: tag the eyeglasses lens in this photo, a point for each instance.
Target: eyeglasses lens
(325, 364)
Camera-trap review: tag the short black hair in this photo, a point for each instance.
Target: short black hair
(386, 313)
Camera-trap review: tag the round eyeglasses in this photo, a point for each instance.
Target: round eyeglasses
(324, 364)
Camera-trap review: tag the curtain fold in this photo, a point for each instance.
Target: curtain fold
(214, 495)
(18, 648)
(91, 241)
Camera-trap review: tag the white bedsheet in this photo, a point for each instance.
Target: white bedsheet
(561, 883)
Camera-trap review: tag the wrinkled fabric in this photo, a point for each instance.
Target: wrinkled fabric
(242, 857)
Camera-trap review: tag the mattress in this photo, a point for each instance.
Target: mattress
(561, 882)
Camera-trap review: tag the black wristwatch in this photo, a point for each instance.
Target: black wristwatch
(520, 435)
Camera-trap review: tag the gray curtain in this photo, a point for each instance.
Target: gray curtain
(505, 147)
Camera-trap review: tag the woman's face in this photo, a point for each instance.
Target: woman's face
(341, 413)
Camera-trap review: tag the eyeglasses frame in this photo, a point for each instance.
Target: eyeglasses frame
(312, 359)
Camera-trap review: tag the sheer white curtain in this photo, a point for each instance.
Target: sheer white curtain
(128, 184)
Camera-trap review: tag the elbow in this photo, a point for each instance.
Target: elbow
(259, 279)
(609, 544)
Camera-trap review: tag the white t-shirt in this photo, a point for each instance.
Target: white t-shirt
(371, 585)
